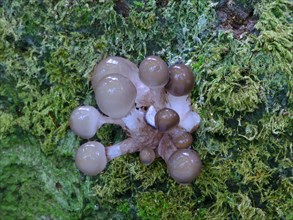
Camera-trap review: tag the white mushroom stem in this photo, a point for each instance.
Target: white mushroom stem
(189, 120)
(107, 120)
(124, 147)
(150, 116)
(134, 120)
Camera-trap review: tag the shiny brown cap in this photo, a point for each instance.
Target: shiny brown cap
(147, 156)
(91, 158)
(153, 72)
(184, 165)
(183, 140)
(115, 95)
(166, 119)
(181, 80)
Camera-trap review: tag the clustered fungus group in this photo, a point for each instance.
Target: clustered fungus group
(152, 104)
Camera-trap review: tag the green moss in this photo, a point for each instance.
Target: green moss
(176, 204)
(243, 94)
(33, 185)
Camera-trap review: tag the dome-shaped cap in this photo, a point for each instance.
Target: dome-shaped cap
(84, 121)
(153, 72)
(147, 156)
(166, 119)
(112, 64)
(115, 95)
(91, 158)
(184, 165)
(182, 140)
(181, 80)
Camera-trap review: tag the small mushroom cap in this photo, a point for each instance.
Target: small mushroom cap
(147, 156)
(91, 158)
(153, 72)
(184, 165)
(183, 140)
(84, 121)
(181, 80)
(115, 95)
(165, 119)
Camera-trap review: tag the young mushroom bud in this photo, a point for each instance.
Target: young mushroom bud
(183, 140)
(84, 121)
(91, 158)
(184, 166)
(165, 119)
(153, 72)
(147, 156)
(181, 80)
(115, 95)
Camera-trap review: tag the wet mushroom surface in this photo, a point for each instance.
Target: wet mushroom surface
(181, 80)
(152, 104)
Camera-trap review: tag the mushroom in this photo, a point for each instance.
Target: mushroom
(147, 156)
(153, 72)
(111, 65)
(115, 95)
(165, 119)
(184, 165)
(91, 158)
(84, 121)
(114, 64)
(182, 140)
(156, 116)
(181, 80)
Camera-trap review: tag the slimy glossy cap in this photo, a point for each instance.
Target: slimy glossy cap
(91, 158)
(183, 140)
(112, 64)
(147, 156)
(115, 95)
(181, 80)
(184, 165)
(153, 72)
(166, 119)
(84, 121)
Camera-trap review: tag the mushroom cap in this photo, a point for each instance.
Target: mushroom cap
(84, 121)
(153, 72)
(91, 158)
(112, 64)
(165, 119)
(115, 95)
(183, 140)
(184, 165)
(181, 80)
(147, 156)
